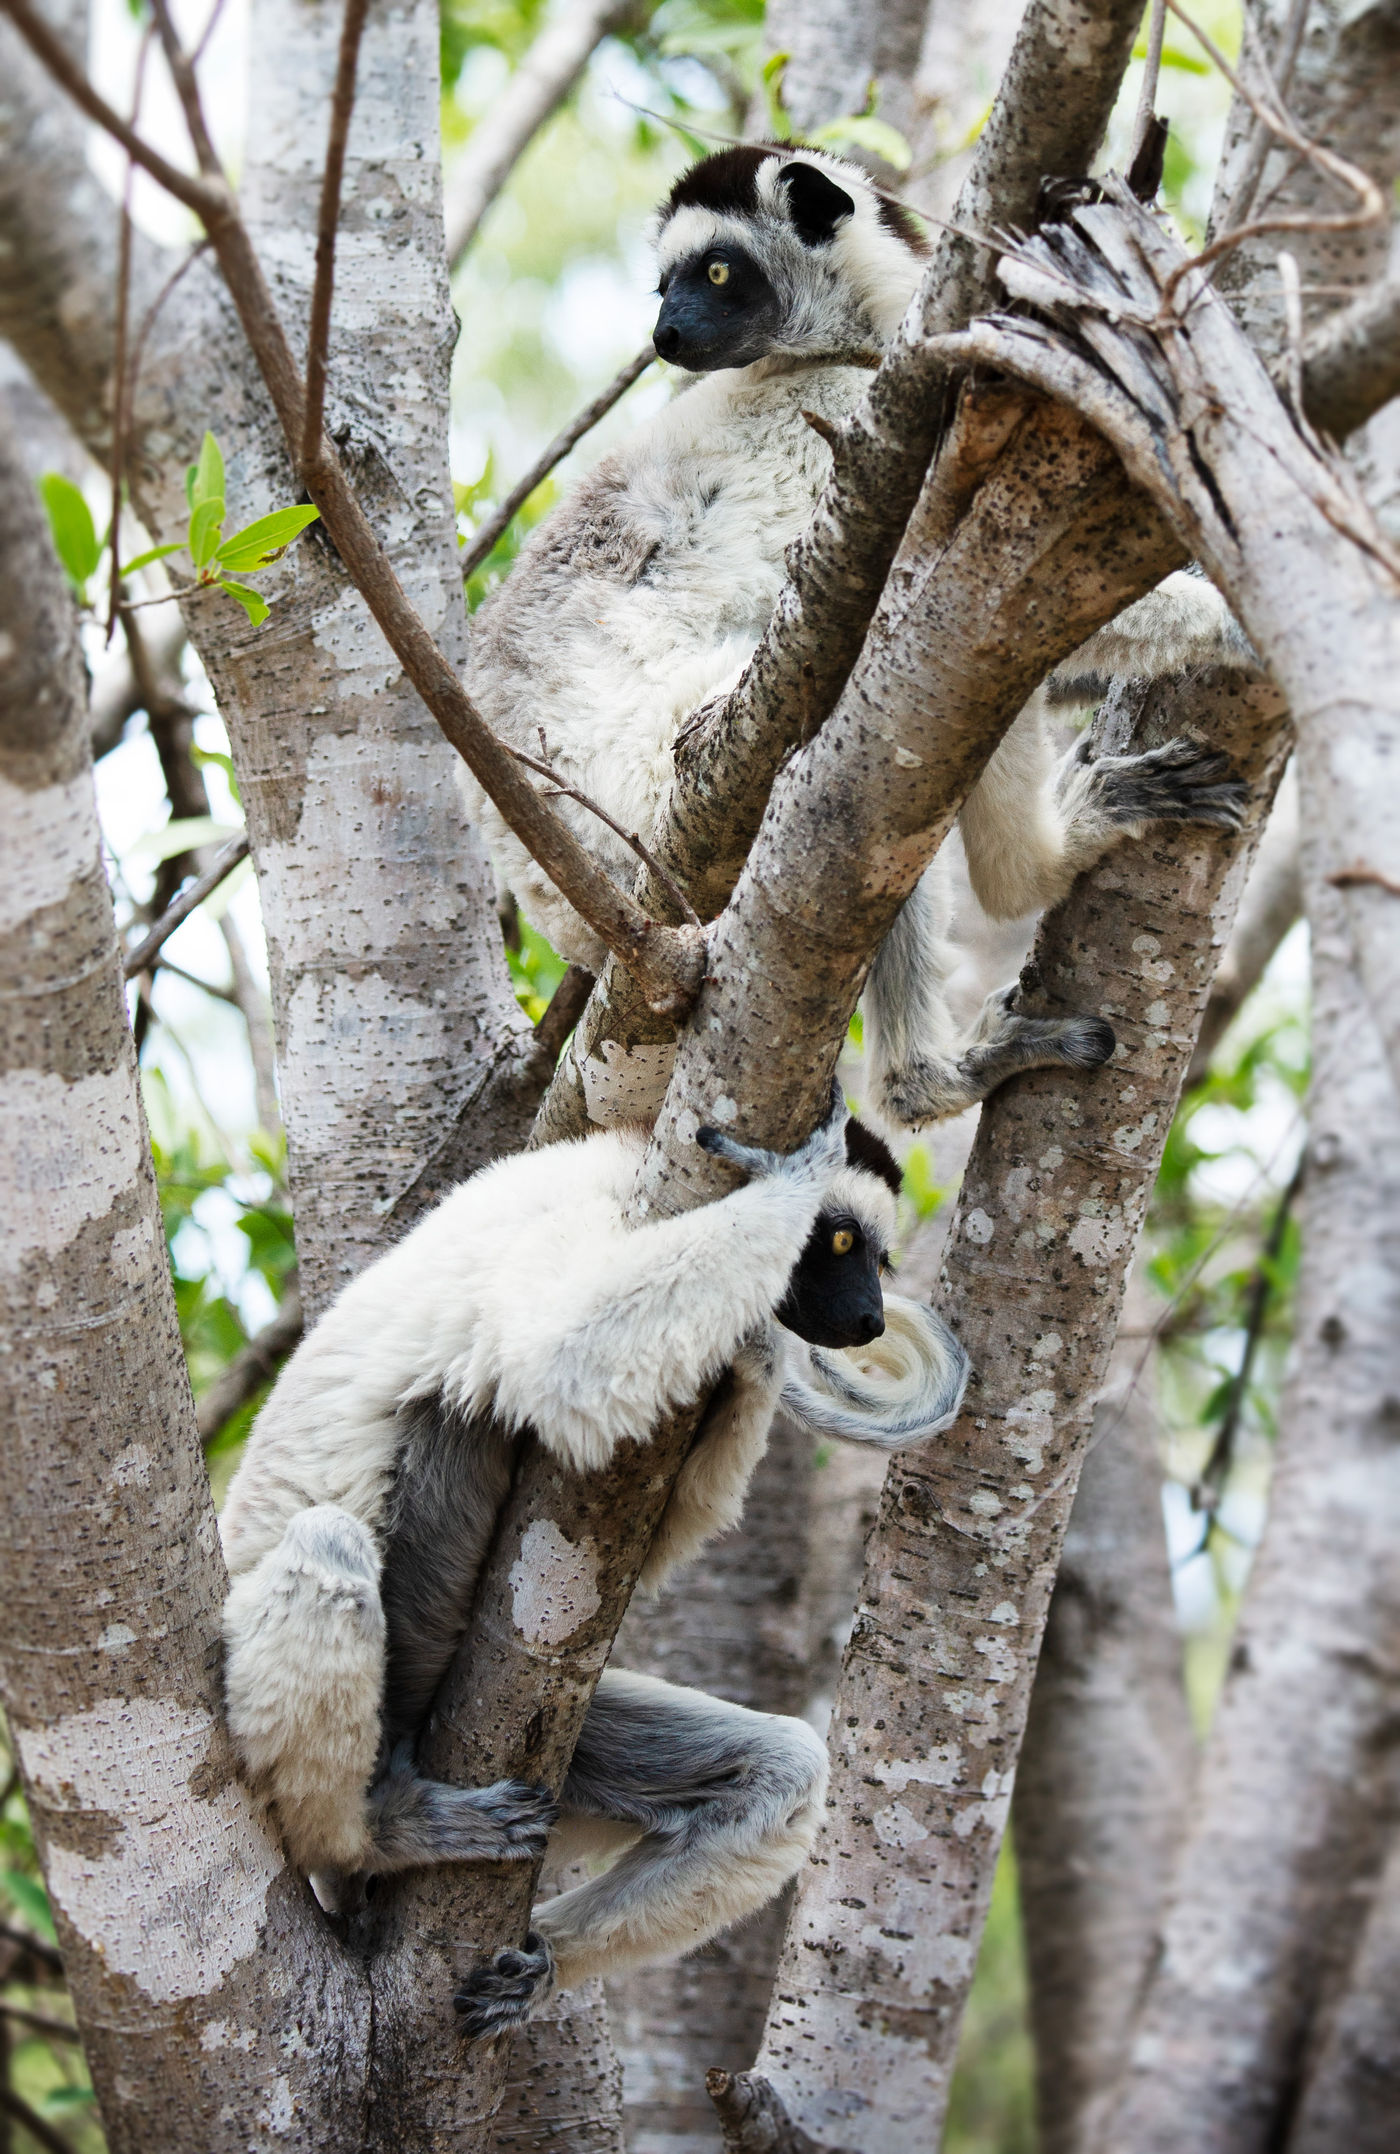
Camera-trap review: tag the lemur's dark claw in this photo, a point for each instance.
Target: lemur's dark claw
(493, 1999)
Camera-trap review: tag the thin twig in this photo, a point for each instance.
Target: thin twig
(318, 335)
(38, 2127)
(250, 1368)
(484, 538)
(149, 319)
(643, 852)
(563, 1010)
(207, 32)
(1210, 1484)
(1372, 208)
(57, 2030)
(191, 979)
(223, 864)
(119, 342)
(182, 74)
(1152, 68)
(44, 1954)
(1293, 334)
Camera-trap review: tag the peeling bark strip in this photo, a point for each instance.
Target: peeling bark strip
(1197, 422)
(168, 1891)
(1297, 1792)
(880, 1951)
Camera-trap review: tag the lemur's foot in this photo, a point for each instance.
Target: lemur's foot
(816, 1160)
(413, 1820)
(1183, 781)
(927, 1089)
(507, 1992)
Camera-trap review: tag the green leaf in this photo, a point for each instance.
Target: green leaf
(191, 472)
(202, 758)
(779, 122)
(75, 538)
(66, 2101)
(144, 560)
(253, 604)
(30, 1900)
(259, 544)
(864, 132)
(205, 526)
(208, 473)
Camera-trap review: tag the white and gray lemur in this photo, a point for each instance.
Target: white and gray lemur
(359, 1519)
(645, 593)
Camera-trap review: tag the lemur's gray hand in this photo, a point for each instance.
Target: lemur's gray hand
(821, 1156)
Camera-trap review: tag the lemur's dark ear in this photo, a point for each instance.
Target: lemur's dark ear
(818, 205)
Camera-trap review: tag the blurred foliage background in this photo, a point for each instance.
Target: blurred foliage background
(554, 296)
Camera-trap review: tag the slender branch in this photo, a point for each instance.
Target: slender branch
(1147, 96)
(121, 401)
(668, 963)
(45, 1955)
(250, 1367)
(208, 201)
(342, 105)
(564, 1009)
(539, 85)
(1210, 1483)
(1351, 366)
(223, 864)
(38, 2127)
(183, 76)
(485, 536)
(546, 769)
(58, 2030)
(1247, 186)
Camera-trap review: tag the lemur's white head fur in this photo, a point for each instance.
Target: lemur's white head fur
(780, 251)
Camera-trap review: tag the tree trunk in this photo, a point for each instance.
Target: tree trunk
(934, 1691)
(1301, 1766)
(1351, 2098)
(733, 1626)
(170, 1895)
(1106, 1766)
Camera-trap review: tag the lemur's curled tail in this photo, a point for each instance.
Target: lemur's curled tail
(904, 1386)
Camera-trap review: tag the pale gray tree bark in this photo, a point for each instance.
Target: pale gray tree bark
(1300, 1775)
(862, 2034)
(1270, 908)
(1107, 1762)
(171, 1897)
(1351, 2097)
(838, 57)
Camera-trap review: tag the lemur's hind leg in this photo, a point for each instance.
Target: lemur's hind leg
(722, 1805)
(304, 1670)
(921, 1066)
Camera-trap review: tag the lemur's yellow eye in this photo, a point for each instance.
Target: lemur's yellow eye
(842, 1242)
(719, 272)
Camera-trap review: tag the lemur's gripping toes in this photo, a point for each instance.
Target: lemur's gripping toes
(644, 595)
(360, 1517)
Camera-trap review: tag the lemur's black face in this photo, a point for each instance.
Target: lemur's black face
(718, 309)
(833, 1297)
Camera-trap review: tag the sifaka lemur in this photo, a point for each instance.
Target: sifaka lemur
(359, 1519)
(645, 593)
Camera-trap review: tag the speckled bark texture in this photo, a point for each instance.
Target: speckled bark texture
(171, 1896)
(1106, 1766)
(1302, 1776)
(936, 1681)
